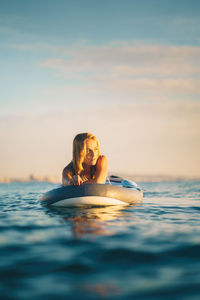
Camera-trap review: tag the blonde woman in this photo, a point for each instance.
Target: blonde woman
(87, 165)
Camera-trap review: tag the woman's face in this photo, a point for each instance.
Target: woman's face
(92, 152)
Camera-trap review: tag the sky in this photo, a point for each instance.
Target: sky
(127, 71)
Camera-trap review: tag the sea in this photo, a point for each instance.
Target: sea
(149, 250)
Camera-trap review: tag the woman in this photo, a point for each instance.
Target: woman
(87, 165)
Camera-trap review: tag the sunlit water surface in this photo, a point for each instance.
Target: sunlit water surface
(146, 251)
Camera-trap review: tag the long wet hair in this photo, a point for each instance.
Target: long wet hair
(79, 150)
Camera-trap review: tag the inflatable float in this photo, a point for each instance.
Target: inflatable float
(116, 191)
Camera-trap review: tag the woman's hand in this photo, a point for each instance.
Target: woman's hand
(76, 180)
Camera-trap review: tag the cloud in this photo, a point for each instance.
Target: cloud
(130, 69)
(132, 66)
(154, 59)
(181, 86)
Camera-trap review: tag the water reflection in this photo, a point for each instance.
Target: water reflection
(92, 221)
(101, 290)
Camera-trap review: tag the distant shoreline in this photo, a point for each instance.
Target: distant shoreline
(31, 178)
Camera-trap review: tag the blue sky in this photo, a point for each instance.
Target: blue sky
(102, 21)
(73, 58)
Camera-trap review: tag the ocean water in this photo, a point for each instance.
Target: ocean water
(146, 251)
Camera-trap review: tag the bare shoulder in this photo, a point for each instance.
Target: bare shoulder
(101, 169)
(102, 161)
(68, 170)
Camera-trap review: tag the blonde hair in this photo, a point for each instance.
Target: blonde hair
(79, 150)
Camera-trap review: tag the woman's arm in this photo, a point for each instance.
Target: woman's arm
(101, 171)
(68, 178)
(99, 176)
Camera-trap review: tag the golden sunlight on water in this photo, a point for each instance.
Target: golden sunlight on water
(95, 221)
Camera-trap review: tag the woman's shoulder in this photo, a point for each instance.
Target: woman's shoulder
(69, 169)
(102, 157)
(102, 160)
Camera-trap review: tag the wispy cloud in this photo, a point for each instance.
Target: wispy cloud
(125, 67)
(147, 59)
(133, 67)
